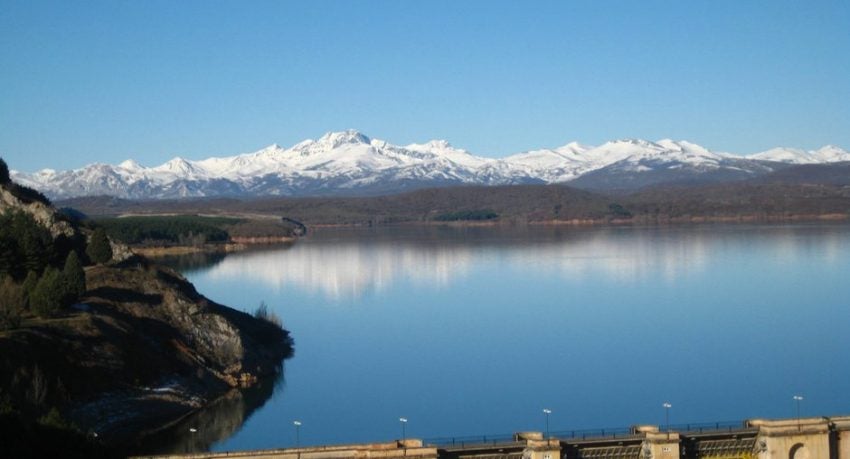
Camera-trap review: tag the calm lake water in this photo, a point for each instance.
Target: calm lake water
(476, 330)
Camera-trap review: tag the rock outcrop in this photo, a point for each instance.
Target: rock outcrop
(41, 212)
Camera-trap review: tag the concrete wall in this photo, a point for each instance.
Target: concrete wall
(806, 438)
(410, 449)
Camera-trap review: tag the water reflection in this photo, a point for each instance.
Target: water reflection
(452, 326)
(199, 431)
(350, 264)
(191, 262)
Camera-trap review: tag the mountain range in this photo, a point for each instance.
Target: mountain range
(350, 163)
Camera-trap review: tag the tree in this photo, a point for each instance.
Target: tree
(4, 173)
(75, 277)
(24, 244)
(12, 303)
(29, 286)
(99, 250)
(48, 295)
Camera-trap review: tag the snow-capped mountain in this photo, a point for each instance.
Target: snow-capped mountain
(827, 154)
(349, 162)
(635, 164)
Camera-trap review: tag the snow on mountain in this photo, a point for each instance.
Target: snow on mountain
(349, 162)
(554, 165)
(826, 154)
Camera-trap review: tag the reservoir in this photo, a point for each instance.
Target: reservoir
(475, 330)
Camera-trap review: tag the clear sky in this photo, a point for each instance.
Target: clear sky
(105, 81)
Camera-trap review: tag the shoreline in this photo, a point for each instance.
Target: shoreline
(237, 244)
(640, 220)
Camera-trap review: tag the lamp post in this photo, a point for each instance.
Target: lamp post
(403, 422)
(547, 412)
(798, 399)
(297, 425)
(667, 407)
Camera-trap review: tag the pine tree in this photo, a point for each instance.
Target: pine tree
(99, 250)
(24, 244)
(4, 173)
(47, 297)
(8, 256)
(74, 276)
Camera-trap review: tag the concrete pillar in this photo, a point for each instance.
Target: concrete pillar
(841, 426)
(542, 449)
(660, 445)
(806, 438)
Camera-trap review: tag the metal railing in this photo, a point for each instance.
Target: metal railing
(708, 427)
(471, 440)
(586, 434)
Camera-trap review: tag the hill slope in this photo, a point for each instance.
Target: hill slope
(140, 348)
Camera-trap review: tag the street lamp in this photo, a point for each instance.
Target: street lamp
(667, 407)
(547, 412)
(297, 425)
(798, 399)
(403, 422)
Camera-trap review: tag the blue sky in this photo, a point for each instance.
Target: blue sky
(105, 81)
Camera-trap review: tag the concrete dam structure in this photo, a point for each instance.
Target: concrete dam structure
(798, 438)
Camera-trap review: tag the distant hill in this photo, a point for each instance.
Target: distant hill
(744, 201)
(824, 174)
(519, 204)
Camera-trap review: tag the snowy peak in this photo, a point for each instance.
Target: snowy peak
(572, 149)
(130, 165)
(433, 146)
(831, 154)
(826, 154)
(349, 162)
(179, 166)
(785, 155)
(333, 140)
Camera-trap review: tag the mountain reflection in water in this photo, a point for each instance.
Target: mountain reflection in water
(469, 331)
(371, 260)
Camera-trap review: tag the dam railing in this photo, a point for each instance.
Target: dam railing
(587, 434)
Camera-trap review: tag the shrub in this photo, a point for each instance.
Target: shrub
(99, 250)
(263, 313)
(55, 420)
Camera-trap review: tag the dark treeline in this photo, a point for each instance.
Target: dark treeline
(467, 215)
(25, 194)
(39, 276)
(183, 230)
